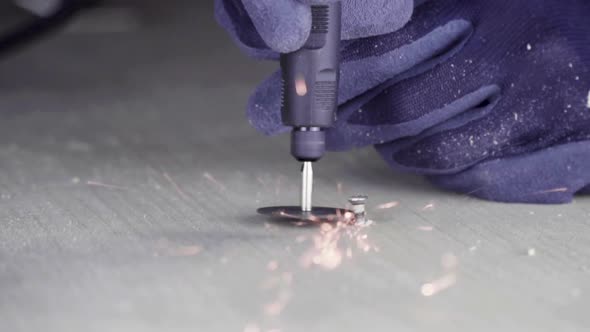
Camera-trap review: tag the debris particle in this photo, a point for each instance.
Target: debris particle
(588, 100)
(529, 47)
(76, 180)
(531, 252)
(389, 205)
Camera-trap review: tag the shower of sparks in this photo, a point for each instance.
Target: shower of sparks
(556, 190)
(104, 185)
(176, 187)
(428, 207)
(389, 205)
(326, 251)
(332, 243)
(214, 181)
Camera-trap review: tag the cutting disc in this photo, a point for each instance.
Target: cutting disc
(316, 215)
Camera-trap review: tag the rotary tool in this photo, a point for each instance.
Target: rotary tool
(310, 92)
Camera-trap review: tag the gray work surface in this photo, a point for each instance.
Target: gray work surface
(129, 181)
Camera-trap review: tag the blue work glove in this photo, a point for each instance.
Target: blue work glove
(489, 98)
(264, 28)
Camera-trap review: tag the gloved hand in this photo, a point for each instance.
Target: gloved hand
(264, 27)
(489, 98)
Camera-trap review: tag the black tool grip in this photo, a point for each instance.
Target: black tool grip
(310, 81)
(311, 74)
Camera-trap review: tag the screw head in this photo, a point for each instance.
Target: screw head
(358, 199)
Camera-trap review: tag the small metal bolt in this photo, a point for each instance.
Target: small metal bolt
(358, 203)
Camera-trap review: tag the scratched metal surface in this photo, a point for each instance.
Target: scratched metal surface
(129, 180)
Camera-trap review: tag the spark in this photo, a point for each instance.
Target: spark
(550, 191)
(169, 249)
(531, 252)
(272, 266)
(104, 185)
(429, 206)
(326, 251)
(529, 47)
(278, 305)
(588, 100)
(436, 286)
(426, 228)
(389, 205)
(176, 186)
(339, 188)
(211, 179)
(184, 251)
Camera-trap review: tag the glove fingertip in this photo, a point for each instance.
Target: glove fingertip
(284, 25)
(264, 107)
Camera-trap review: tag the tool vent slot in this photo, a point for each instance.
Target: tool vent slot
(320, 19)
(325, 95)
(283, 91)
